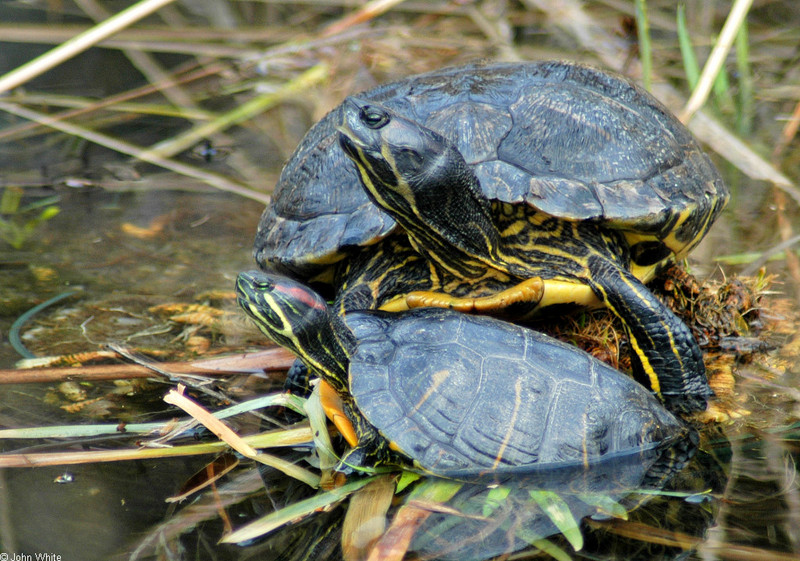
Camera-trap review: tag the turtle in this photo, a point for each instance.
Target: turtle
(554, 171)
(320, 227)
(603, 156)
(454, 394)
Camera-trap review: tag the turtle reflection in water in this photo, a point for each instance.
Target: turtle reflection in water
(484, 521)
(499, 175)
(501, 515)
(456, 395)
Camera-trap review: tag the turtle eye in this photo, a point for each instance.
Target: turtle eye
(373, 117)
(263, 284)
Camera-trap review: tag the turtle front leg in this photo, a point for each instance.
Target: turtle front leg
(367, 447)
(372, 451)
(664, 347)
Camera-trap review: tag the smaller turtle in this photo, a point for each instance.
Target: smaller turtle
(452, 394)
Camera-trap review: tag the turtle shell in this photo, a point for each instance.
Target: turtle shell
(463, 394)
(570, 140)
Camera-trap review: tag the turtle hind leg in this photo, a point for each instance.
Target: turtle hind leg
(665, 350)
(396, 278)
(517, 301)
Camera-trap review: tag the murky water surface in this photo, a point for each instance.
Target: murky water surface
(122, 254)
(126, 253)
(134, 262)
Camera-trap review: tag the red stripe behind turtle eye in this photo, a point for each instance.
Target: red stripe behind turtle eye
(304, 296)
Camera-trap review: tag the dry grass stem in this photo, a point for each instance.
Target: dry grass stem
(201, 414)
(368, 11)
(167, 148)
(716, 59)
(213, 179)
(293, 437)
(145, 63)
(80, 43)
(224, 433)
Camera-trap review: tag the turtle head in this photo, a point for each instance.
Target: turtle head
(395, 156)
(421, 179)
(296, 318)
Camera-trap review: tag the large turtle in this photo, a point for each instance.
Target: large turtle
(456, 395)
(497, 174)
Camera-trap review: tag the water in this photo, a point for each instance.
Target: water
(129, 252)
(197, 244)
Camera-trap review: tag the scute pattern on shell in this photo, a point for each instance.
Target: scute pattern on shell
(567, 139)
(454, 392)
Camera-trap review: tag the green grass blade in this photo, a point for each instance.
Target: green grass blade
(9, 202)
(406, 479)
(605, 504)
(722, 92)
(645, 48)
(690, 65)
(47, 201)
(744, 117)
(560, 514)
(81, 431)
(551, 549)
(494, 499)
(322, 441)
(542, 544)
(294, 512)
(435, 490)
